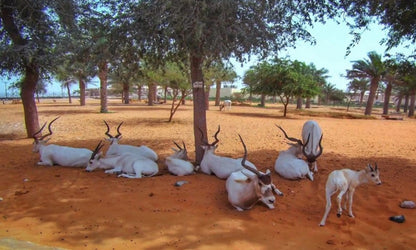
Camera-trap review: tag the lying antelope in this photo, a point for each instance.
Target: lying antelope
(312, 142)
(221, 166)
(118, 149)
(346, 181)
(126, 165)
(51, 154)
(289, 164)
(178, 163)
(248, 186)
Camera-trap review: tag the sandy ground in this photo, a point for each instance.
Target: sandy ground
(73, 209)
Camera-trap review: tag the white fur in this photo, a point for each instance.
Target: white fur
(290, 166)
(221, 166)
(245, 190)
(178, 163)
(61, 155)
(118, 149)
(127, 164)
(345, 181)
(314, 131)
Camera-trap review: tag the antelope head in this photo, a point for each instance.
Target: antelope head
(210, 146)
(40, 140)
(311, 157)
(95, 156)
(113, 139)
(180, 153)
(262, 182)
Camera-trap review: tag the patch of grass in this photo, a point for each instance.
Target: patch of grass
(338, 115)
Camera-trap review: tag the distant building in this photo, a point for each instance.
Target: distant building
(224, 92)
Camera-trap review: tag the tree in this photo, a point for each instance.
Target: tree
(359, 85)
(217, 73)
(198, 30)
(372, 68)
(30, 32)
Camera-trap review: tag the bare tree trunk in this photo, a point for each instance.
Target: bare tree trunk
(387, 94)
(361, 98)
(412, 105)
(308, 103)
(81, 91)
(68, 89)
(165, 98)
(126, 94)
(200, 120)
(150, 94)
(399, 103)
(299, 103)
(139, 92)
(28, 100)
(102, 75)
(371, 95)
(217, 93)
(262, 100)
(406, 103)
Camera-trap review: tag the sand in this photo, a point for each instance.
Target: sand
(72, 209)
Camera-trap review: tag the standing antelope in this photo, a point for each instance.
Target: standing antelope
(178, 163)
(118, 149)
(248, 186)
(346, 181)
(221, 166)
(60, 155)
(312, 142)
(289, 164)
(126, 165)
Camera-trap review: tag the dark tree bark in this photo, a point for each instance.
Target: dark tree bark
(406, 103)
(126, 94)
(399, 103)
(217, 93)
(139, 92)
(68, 89)
(28, 100)
(299, 103)
(102, 75)
(372, 95)
(200, 121)
(81, 91)
(263, 100)
(412, 105)
(308, 103)
(387, 94)
(151, 94)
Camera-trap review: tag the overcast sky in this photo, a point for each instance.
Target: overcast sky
(329, 52)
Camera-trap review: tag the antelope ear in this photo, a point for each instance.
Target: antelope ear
(268, 172)
(369, 168)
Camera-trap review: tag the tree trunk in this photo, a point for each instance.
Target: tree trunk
(165, 98)
(371, 95)
(139, 92)
(68, 89)
(81, 91)
(406, 103)
(299, 103)
(200, 120)
(102, 75)
(28, 100)
(150, 94)
(262, 100)
(361, 98)
(387, 94)
(399, 103)
(412, 105)
(126, 94)
(217, 93)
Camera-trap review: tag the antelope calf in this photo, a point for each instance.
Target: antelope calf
(248, 186)
(346, 181)
(178, 163)
(51, 154)
(118, 149)
(221, 166)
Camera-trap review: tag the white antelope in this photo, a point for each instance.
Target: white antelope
(51, 154)
(346, 181)
(118, 149)
(126, 165)
(221, 166)
(312, 132)
(290, 165)
(248, 186)
(178, 163)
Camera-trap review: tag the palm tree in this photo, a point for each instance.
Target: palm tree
(372, 68)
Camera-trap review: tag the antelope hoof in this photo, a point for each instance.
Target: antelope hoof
(338, 215)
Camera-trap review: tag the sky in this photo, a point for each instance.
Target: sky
(329, 52)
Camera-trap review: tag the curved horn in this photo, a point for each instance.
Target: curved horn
(96, 150)
(202, 137)
(108, 130)
(215, 136)
(184, 146)
(118, 130)
(375, 166)
(310, 157)
(38, 132)
(289, 138)
(177, 145)
(49, 129)
(243, 161)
